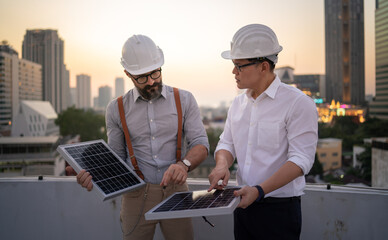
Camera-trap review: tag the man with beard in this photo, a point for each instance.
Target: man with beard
(150, 115)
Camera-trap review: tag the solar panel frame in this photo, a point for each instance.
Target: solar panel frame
(202, 204)
(112, 178)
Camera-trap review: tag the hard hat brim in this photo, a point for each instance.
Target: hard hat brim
(226, 55)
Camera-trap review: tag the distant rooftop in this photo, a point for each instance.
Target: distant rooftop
(28, 140)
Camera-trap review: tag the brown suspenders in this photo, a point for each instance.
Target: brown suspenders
(128, 140)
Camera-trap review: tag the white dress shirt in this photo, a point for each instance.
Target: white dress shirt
(264, 133)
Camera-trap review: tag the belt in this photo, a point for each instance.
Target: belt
(279, 200)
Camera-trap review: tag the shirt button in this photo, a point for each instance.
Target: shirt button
(155, 156)
(150, 102)
(153, 138)
(158, 170)
(151, 120)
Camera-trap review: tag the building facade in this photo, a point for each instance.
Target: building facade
(83, 96)
(380, 162)
(329, 151)
(35, 118)
(344, 50)
(312, 84)
(379, 108)
(47, 48)
(119, 87)
(20, 79)
(104, 96)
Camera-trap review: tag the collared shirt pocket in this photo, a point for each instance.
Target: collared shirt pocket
(268, 135)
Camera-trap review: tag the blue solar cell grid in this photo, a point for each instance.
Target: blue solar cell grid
(109, 173)
(187, 201)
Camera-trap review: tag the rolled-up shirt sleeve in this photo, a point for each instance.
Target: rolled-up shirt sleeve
(192, 123)
(302, 133)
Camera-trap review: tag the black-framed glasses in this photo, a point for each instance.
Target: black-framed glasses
(144, 78)
(258, 60)
(239, 67)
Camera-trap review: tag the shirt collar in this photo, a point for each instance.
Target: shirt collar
(273, 88)
(137, 95)
(270, 91)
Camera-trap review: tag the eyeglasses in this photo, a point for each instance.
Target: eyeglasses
(144, 78)
(258, 60)
(239, 67)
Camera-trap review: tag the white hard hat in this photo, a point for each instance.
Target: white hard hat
(140, 55)
(254, 41)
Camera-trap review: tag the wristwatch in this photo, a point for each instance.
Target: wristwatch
(261, 193)
(187, 163)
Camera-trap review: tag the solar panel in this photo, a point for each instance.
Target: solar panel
(195, 204)
(110, 174)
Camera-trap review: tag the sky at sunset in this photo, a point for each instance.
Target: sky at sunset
(192, 35)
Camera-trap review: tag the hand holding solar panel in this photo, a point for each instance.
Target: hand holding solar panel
(97, 164)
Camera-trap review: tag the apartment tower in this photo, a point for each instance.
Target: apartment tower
(47, 48)
(379, 108)
(83, 96)
(344, 41)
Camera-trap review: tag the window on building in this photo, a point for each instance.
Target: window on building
(322, 154)
(335, 154)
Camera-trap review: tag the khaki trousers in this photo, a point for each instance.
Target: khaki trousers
(136, 203)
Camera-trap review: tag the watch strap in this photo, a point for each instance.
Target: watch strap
(261, 193)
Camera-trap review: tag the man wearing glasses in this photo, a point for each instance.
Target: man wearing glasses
(272, 131)
(150, 115)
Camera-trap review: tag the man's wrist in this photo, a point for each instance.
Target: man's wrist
(261, 193)
(186, 164)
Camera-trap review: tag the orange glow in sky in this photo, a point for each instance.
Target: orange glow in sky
(192, 35)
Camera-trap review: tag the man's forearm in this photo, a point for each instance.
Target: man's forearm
(288, 172)
(196, 155)
(224, 157)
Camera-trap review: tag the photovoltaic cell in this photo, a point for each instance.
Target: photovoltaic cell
(195, 204)
(110, 175)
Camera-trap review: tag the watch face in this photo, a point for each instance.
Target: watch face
(187, 162)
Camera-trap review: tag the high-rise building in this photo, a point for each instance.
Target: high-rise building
(119, 87)
(344, 41)
(66, 90)
(83, 91)
(104, 96)
(47, 48)
(73, 97)
(20, 79)
(379, 108)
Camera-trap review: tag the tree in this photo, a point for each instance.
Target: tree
(87, 123)
(317, 168)
(213, 136)
(365, 159)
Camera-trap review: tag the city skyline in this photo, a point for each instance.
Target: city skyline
(191, 34)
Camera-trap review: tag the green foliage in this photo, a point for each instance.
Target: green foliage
(366, 164)
(317, 168)
(351, 132)
(213, 136)
(374, 127)
(333, 180)
(88, 124)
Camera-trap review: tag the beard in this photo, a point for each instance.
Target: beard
(151, 92)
